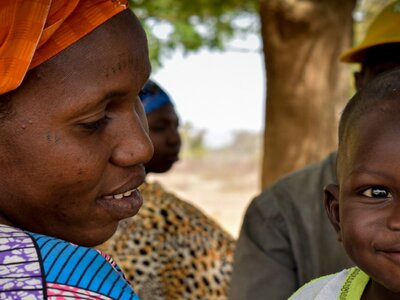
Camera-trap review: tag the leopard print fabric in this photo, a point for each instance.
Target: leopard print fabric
(171, 250)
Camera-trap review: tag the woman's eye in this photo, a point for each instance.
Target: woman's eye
(377, 192)
(158, 126)
(95, 125)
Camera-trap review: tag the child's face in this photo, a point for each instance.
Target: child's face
(365, 207)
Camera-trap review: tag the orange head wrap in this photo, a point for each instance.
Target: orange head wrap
(32, 31)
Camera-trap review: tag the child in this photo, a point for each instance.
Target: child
(364, 208)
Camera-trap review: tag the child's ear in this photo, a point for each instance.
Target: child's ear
(331, 201)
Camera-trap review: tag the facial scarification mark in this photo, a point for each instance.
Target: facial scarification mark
(124, 61)
(53, 137)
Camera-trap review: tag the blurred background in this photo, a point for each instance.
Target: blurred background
(240, 130)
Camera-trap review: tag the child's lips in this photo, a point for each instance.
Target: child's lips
(391, 253)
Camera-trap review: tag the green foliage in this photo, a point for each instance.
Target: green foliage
(192, 24)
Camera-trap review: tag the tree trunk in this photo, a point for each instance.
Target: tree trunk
(307, 86)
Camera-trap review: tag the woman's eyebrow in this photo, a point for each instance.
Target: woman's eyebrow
(113, 94)
(100, 102)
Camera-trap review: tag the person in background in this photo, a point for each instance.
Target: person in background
(286, 239)
(74, 141)
(363, 206)
(171, 250)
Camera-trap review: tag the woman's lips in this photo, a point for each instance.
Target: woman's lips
(123, 205)
(120, 196)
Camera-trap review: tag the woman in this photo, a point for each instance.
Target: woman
(171, 250)
(74, 144)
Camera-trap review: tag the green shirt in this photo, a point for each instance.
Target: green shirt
(348, 284)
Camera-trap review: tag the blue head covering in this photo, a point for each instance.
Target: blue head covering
(153, 97)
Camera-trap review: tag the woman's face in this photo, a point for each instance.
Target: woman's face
(164, 134)
(76, 140)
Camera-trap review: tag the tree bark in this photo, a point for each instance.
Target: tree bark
(307, 86)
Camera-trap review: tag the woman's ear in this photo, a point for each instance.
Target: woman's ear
(331, 201)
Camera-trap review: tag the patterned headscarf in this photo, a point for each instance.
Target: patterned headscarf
(153, 97)
(31, 32)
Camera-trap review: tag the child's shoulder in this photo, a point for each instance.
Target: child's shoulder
(347, 284)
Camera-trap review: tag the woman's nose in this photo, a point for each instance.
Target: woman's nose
(133, 144)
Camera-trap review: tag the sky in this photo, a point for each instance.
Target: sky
(221, 92)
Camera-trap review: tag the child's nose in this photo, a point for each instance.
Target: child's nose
(393, 219)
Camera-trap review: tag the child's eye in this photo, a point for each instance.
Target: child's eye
(377, 192)
(92, 126)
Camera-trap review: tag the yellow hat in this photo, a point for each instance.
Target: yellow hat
(385, 29)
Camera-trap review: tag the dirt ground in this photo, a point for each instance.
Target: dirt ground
(222, 185)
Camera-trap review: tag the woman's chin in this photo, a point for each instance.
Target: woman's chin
(92, 238)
